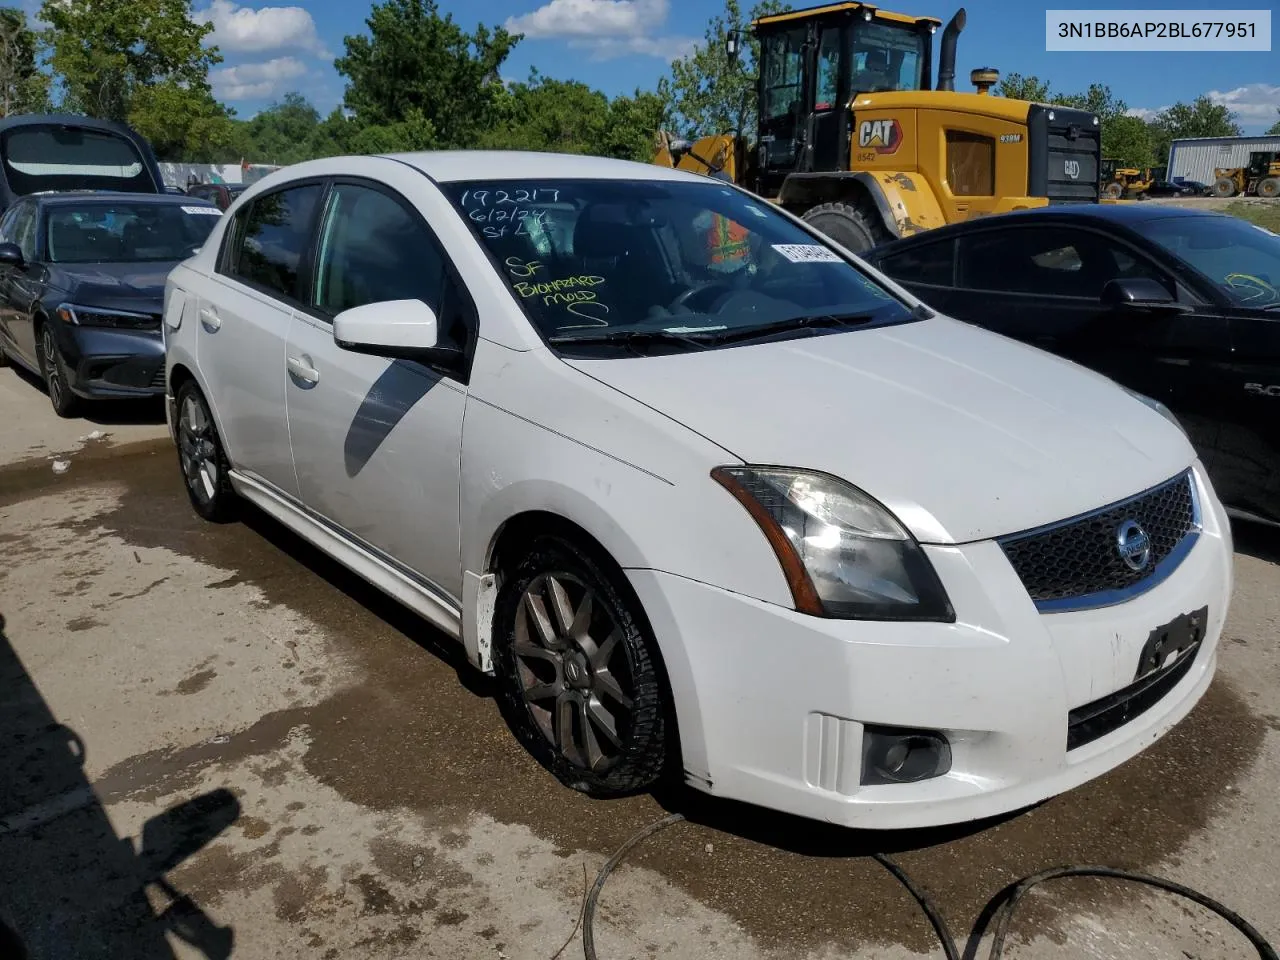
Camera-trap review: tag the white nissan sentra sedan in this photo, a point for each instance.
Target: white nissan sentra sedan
(706, 494)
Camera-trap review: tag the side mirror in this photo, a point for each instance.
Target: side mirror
(1140, 293)
(397, 329)
(11, 255)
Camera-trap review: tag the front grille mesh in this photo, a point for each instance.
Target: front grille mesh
(1079, 558)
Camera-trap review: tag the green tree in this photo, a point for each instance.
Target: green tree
(1274, 129)
(1097, 99)
(103, 52)
(182, 124)
(562, 116)
(631, 125)
(416, 65)
(1128, 139)
(709, 91)
(414, 132)
(1017, 87)
(283, 133)
(23, 87)
(1200, 118)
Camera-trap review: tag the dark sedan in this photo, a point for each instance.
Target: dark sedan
(82, 288)
(1180, 305)
(1174, 188)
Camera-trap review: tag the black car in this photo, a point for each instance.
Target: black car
(1180, 305)
(1174, 188)
(82, 288)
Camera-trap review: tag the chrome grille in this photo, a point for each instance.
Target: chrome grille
(1077, 563)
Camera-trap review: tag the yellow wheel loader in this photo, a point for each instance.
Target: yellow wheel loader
(1260, 179)
(852, 135)
(1124, 182)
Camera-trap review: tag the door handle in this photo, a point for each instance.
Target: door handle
(302, 370)
(209, 319)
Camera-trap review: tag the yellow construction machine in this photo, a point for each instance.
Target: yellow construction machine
(1124, 182)
(852, 135)
(1260, 179)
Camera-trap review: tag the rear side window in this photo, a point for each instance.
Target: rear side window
(50, 157)
(269, 239)
(932, 264)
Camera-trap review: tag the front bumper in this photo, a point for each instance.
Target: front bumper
(772, 704)
(108, 363)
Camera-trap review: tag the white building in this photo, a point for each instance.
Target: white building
(1197, 158)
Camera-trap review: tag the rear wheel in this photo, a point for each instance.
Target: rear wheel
(1224, 187)
(205, 466)
(578, 674)
(54, 370)
(1269, 188)
(855, 228)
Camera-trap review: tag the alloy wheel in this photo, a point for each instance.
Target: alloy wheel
(197, 449)
(52, 372)
(565, 640)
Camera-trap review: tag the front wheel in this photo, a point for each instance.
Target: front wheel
(578, 674)
(1224, 187)
(56, 378)
(853, 227)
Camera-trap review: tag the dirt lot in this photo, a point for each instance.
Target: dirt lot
(164, 682)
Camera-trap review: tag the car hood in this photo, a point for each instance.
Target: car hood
(963, 433)
(124, 286)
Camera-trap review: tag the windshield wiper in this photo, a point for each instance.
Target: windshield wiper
(635, 338)
(808, 321)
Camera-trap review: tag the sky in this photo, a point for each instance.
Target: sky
(620, 45)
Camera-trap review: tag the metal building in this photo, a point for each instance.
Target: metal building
(1197, 158)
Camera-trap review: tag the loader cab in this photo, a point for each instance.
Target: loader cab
(812, 63)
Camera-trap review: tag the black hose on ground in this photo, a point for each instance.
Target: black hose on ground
(945, 937)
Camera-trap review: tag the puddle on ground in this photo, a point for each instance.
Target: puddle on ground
(422, 733)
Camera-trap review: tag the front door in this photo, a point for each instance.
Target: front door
(1043, 285)
(1249, 474)
(244, 322)
(377, 443)
(831, 117)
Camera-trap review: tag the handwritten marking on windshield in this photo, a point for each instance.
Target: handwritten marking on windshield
(555, 287)
(522, 270)
(514, 195)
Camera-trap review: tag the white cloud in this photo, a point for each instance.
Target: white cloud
(1145, 113)
(591, 18)
(610, 48)
(256, 81)
(245, 30)
(1252, 104)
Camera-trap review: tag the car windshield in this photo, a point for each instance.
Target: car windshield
(1243, 259)
(662, 260)
(122, 232)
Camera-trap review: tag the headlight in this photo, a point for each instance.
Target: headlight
(844, 555)
(1157, 406)
(105, 317)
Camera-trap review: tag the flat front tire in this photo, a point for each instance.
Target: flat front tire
(206, 471)
(578, 673)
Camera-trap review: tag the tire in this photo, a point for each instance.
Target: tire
(1269, 188)
(603, 665)
(54, 370)
(1114, 190)
(853, 227)
(206, 471)
(4, 357)
(1224, 187)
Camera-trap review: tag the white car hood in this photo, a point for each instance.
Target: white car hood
(963, 433)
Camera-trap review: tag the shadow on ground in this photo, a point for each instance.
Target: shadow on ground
(1257, 540)
(107, 412)
(69, 886)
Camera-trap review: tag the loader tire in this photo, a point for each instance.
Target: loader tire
(1114, 190)
(1224, 187)
(856, 228)
(1269, 188)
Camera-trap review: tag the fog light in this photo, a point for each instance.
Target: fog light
(896, 755)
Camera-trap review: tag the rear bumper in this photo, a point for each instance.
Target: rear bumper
(773, 705)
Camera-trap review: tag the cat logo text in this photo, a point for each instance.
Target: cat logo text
(882, 136)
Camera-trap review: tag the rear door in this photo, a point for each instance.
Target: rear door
(244, 315)
(19, 287)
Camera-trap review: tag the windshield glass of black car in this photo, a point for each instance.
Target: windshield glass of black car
(690, 259)
(1242, 259)
(116, 232)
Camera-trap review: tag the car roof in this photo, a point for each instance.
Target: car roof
(1118, 214)
(64, 120)
(64, 197)
(452, 166)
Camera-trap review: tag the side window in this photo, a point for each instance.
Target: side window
(270, 238)
(828, 85)
(6, 225)
(1051, 261)
(373, 249)
(782, 69)
(24, 230)
(932, 263)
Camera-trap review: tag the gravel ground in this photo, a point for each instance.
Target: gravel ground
(219, 744)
